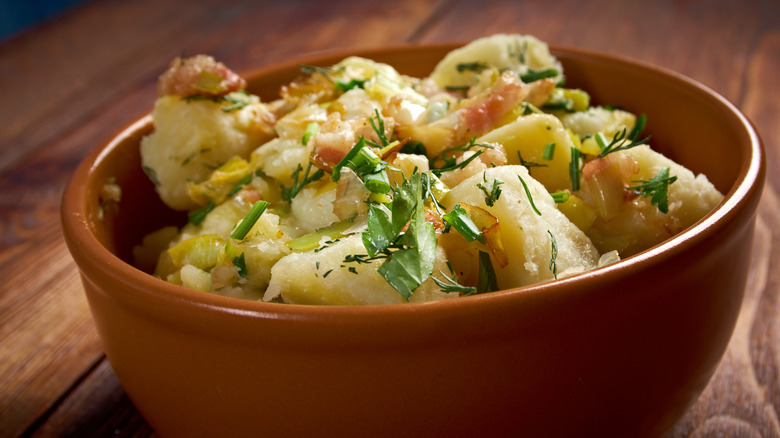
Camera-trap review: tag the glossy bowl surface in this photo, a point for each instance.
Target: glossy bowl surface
(621, 350)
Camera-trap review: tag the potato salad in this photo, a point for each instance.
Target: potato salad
(363, 186)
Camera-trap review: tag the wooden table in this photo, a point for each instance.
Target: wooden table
(70, 83)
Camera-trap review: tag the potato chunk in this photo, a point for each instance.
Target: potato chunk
(323, 277)
(526, 235)
(192, 137)
(639, 224)
(528, 136)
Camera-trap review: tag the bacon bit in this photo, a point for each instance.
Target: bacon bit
(434, 217)
(485, 109)
(326, 157)
(250, 195)
(626, 165)
(182, 76)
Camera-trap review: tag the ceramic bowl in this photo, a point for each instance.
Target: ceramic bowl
(621, 350)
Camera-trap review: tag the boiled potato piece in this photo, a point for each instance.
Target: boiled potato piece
(323, 277)
(192, 137)
(312, 207)
(519, 53)
(525, 234)
(639, 224)
(599, 119)
(528, 136)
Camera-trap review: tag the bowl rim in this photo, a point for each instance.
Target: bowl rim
(86, 249)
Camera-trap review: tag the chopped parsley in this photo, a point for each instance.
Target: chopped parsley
(617, 143)
(491, 194)
(240, 263)
(657, 188)
(288, 193)
(196, 216)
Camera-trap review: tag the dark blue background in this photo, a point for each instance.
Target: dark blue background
(17, 15)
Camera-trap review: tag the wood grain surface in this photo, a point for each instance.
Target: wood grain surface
(69, 83)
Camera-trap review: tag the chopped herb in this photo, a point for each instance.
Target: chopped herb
(449, 285)
(289, 193)
(311, 69)
(413, 147)
(560, 197)
(575, 169)
(352, 270)
(549, 151)
(528, 193)
(408, 267)
(240, 262)
(244, 181)
(492, 194)
(196, 216)
(311, 129)
(554, 255)
(639, 126)
(361, 158)
(460, 88)
(471, 66)
(379, 129)
(152, 174)
(535, 75)
(519, 51)
(317, 265)
(352, 83)
(528, 164)
(657, 187)
(236, 103)
(327, 273)
(248, 222)
(450, 162)
(487, 281)
(529, 108)
(459, 219)
(617, 144)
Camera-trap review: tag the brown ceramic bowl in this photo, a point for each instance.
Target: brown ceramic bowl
(621, 350)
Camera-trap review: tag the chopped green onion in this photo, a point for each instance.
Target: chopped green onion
(574, 169)
(534, 75)
(549, 151)
(361, 158)
(459, 219)
(248, 222)
(530, 198)
(560, 197)
(311, 129)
